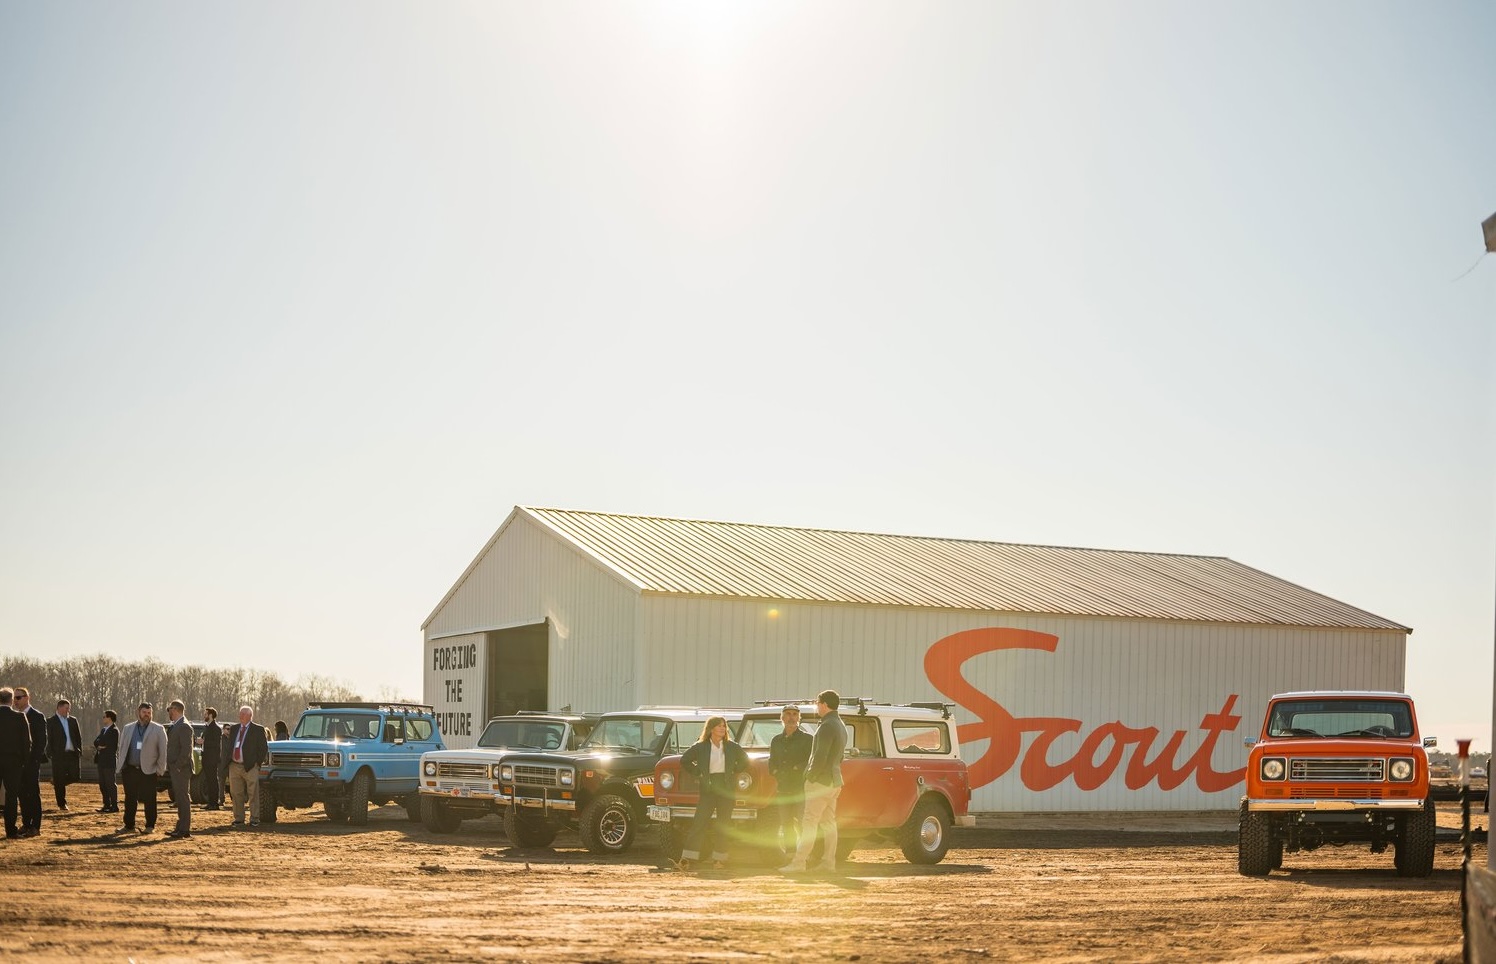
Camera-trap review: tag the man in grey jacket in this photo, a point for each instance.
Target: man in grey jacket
(179, 766)
(142, 757)
(823, 783)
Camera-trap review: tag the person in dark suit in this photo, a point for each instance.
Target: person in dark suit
(789, 755)
(106, 755)
(31, 773)
(249, 744)
(224, 755)
(65, 748)
(212, 754)
(15, 751)
(179, 766)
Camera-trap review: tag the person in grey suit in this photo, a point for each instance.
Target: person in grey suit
(823, 783)
(142, 758)
(179, 740)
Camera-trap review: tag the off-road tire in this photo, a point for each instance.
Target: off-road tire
(437, 817)
(358, 798)
(268, 804)
(607, 824)
(926, 835)
(1415, 845)
(412, 805)
(1277, 854)
(336, 812)
(1254, 844)
(527, 832)
(673, 839)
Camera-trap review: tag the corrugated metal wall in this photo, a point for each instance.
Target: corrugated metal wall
(1142, 674)
(528, 576)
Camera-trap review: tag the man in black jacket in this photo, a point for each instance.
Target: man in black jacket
(106, 758)
(212, 753)
(31, 773)
(15, 751)
(65, 748)
(789, 753)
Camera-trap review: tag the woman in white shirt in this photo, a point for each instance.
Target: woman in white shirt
(715, 761)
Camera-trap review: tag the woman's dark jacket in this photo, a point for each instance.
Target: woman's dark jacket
(697, 759)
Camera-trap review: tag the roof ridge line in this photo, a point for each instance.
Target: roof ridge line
(881, 535)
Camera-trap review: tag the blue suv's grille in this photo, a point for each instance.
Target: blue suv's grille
(280, 758)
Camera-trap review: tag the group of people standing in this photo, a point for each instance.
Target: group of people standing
(29, 737)
(134, 756)
(807, 777)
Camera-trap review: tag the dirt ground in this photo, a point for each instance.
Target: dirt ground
(1020, 889)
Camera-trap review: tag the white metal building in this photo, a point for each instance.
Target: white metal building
(1084, 679)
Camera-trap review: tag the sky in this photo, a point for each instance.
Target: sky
(298, 301)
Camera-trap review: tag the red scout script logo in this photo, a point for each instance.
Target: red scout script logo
(1004, 733)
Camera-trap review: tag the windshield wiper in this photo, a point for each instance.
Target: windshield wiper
(1379, 733)
(1296, 731)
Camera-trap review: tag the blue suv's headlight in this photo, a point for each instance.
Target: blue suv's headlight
(332, 759)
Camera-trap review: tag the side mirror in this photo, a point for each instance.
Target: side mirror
(1430, 741)
(1249, 742)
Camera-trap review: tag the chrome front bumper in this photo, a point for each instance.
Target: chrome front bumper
(1331, 805)
(669, 814)
(546, 804)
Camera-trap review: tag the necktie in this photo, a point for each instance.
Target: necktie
(239, 745)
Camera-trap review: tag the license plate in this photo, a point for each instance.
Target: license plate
(661, 814)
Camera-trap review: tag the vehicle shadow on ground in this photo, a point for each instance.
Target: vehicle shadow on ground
(1084, 839)
(1360, 878)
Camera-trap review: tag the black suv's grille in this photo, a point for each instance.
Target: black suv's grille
(1337, 770)
(536, 776)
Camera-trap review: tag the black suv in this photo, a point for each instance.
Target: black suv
(603, 788)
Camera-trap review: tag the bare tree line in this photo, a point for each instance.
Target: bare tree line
(97, 683)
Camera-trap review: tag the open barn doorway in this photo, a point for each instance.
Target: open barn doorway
(518, 669)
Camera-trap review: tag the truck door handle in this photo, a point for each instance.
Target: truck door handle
(888, 769)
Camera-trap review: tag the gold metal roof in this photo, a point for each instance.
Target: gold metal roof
(738, 560)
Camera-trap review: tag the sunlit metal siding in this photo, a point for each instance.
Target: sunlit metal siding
(526, 575)
(1167, 675)
(768, 562)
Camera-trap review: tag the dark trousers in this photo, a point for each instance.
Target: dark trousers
(10, 779)
(31, 794)
(788, 808)
(181, 788)
(212, 788)
(65, 770)
(107, 790)
(713, 813)
(140, 789)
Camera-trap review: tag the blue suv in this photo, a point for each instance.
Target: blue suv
(347, 756)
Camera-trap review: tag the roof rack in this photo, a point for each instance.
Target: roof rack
(564, 711)
(388, 707)
(863, 702)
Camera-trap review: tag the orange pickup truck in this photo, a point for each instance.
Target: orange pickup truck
(903, 781)
(1337, 768)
